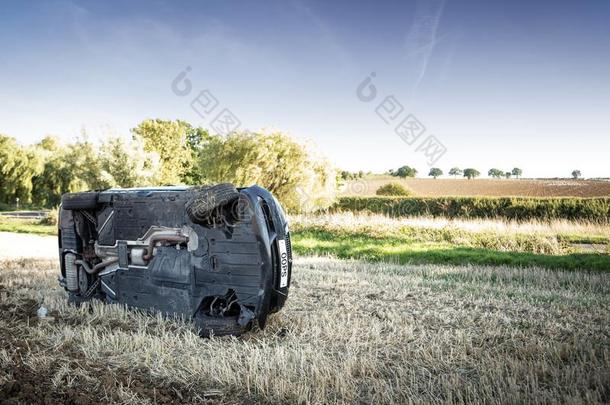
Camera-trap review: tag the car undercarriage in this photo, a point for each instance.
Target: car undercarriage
(214, 254)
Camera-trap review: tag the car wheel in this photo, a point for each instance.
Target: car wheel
(79, 201)
(208, 199)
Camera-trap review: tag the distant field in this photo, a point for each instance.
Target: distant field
(484, 187)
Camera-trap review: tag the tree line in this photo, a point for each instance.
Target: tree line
(165, 152)
(469, 173)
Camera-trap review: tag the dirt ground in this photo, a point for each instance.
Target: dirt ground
(483, 187)
(351, 332)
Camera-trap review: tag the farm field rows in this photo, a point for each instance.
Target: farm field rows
(351, 332)
(482, 187)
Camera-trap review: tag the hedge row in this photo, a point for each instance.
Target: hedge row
(519, 208)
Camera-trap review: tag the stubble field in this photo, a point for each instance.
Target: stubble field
(482, 187)
(351, 332)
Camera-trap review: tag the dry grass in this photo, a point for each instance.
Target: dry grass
(362, 221)
(351, 332)
(483, 187)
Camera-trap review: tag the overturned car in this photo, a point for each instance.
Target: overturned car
(218, 255)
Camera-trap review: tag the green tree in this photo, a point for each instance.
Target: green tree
(56, 176)
(174, 142)
(195, 138)
(435, 172)
(405, 171)
(73, 167)
(507, 175)
(495, 173)
(576, 174)
(517, 172)
(126, 164)
(455, 171)
(346, 175)
(299, 179)
(17, 167)
(471, 173)
(86, 167)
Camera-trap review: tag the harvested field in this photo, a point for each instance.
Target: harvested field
(351, 332)
(483, 187)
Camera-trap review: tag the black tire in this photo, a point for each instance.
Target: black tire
(212, 326)
(208, 199)
(79, 201)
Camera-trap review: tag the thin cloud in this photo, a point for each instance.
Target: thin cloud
(325, 31)
(422, 38)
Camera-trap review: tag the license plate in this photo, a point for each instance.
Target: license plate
(281, 244)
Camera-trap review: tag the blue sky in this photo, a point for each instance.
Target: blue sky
(499, 84)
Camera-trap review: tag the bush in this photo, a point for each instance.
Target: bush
(51, 218)
(393, 189)
(516, 208)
